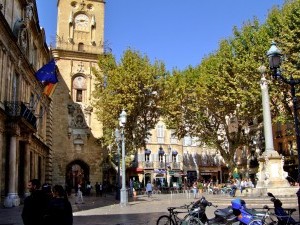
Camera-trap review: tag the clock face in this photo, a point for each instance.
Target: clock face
(81, 21)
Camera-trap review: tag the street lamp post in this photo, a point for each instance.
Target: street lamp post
(166, 170)
(118, 139)
(166, 167)
(275, 57)
(122, 120)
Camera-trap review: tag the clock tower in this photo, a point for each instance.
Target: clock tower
(77, 156)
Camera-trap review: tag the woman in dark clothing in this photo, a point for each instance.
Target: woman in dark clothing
(59, 210)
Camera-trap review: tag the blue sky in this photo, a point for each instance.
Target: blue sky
(179, 33)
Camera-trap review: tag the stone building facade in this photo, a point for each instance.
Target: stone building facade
(77, 156)
(169, 161)
(25, 112)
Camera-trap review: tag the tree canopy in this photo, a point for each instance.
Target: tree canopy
(134, 84)
(216, 101)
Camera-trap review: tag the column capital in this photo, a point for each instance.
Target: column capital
(13, 128)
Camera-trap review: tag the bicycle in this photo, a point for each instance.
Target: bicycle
(173, 219)
(226, 190)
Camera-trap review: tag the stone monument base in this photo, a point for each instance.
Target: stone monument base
(263, 192)
(11, 200)
(271, 173)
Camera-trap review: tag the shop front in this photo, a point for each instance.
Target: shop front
(209, 173)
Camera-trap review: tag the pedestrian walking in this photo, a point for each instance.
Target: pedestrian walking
(149, 189)
(233, 188)
(59, 209)
(195, 189)
(35, 204)
(130, 187)
(97, 188)
(79, 198)
(88, 188)
(101, 189)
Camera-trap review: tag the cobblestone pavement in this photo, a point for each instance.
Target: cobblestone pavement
(140, 210)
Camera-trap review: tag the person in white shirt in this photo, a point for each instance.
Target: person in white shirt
(149, 188)
(79, 198)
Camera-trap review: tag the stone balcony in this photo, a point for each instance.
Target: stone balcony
(17, 111)
(160, 165)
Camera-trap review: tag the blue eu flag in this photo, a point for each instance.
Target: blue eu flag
(47, 74)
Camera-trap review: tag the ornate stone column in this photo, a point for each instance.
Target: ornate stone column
(12, 199)
(271, 173)
(26, 168)
(2, 149)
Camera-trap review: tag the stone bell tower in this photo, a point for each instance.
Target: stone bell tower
(80, 33)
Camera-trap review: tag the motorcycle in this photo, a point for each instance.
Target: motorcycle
(222, 216)
(284, 215)
(249, 216)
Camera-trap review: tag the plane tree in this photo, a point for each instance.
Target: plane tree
(133, 84)
(217, 100)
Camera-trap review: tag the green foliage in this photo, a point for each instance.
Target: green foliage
(200, 185)
(283, 27)
(198, 100)
(135, 85)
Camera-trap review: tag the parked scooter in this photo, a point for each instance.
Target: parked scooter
(249, 216)
(222, 216)
(284, 215)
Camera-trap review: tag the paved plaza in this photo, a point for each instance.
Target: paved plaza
(140, 210)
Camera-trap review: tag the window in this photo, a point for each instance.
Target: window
(34, 56)
(160, 134)
(160, 154)
(78, 95)
(41, 119)
(80, 47)
(79, 89)
(147, 155)
(187, 141)
(174, 158)
(39, 168)
(31, 101)
(15, 87)
(194, 141)
(174, 139)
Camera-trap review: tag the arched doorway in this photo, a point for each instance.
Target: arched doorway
(76, 172)
(147, 178)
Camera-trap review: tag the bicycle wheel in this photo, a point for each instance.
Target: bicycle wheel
(165, 220)
(193, 221)
(228, 191)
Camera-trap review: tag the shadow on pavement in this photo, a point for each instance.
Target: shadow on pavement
(92, 202)
(119, 219)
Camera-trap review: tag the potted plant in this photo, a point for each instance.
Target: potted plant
(135, 188)
(200, 187)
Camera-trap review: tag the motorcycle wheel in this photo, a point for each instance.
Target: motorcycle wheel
(165, 220)
(255, 222)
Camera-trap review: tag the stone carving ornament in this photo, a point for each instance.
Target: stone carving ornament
(77, 118)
